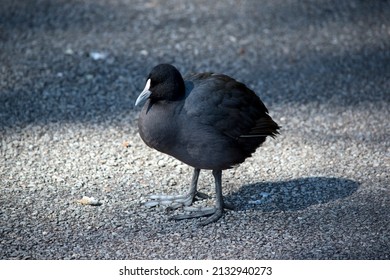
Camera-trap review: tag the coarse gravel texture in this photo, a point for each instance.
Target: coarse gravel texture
(70, 72)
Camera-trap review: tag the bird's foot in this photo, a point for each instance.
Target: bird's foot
(174, 201)
(212, 213)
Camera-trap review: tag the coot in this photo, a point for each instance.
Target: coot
(206, 120)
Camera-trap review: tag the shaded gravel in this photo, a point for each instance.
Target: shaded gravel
(69, 75)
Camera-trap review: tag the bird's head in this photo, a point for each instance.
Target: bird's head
(163, 83)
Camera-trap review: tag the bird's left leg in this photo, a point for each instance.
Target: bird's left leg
(176, 201)
(214, 213)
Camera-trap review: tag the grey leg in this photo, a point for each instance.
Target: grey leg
(215, 212)
(174, 202)
(218, 200)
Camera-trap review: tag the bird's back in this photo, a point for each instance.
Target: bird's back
(226, 121)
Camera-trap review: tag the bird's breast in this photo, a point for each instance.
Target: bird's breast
(157, 126)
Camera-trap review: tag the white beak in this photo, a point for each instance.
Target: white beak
(144, 94)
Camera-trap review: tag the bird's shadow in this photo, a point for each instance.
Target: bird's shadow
(292, 195)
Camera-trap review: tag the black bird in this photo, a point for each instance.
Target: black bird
(208, 121)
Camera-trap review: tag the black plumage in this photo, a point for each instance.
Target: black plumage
(206, 120)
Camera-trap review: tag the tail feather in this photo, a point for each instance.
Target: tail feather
(265, 126)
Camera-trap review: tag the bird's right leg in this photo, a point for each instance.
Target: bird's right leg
(177, 201)
(214, 213)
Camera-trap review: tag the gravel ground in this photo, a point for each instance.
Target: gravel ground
(69, 75)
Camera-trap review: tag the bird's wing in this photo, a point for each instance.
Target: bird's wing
(228, 106)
